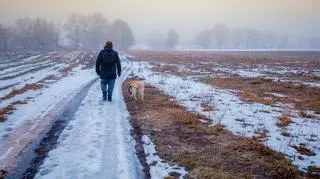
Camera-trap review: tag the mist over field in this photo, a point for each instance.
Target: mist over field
(162, 24)
(186, 89)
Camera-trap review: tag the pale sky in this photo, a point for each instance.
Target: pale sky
(296, 17)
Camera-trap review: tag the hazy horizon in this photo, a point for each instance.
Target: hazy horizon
(188, 17)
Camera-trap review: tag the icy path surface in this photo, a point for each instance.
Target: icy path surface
(96, 143)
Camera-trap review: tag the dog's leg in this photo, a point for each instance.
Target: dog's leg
(142, 94)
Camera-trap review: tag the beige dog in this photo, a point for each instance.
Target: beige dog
(136, 89)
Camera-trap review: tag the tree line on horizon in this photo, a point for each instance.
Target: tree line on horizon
(88, 32)
(223, 37)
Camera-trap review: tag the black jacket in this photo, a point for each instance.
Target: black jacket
(108, 64)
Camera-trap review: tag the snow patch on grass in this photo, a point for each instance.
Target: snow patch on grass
(239, 117)
(158, 168)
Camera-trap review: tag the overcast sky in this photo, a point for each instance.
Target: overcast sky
(295, 17)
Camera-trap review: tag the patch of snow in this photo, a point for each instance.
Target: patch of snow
(38, 106)
(277, 95)
(21, 68)
(21, 81)
(158, 168)
(20, 61)
(140, 47)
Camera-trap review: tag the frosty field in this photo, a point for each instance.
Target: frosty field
(267, 104)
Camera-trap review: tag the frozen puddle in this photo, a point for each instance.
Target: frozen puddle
(239, 117)
(96, 143)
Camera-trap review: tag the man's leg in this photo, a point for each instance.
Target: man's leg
(110, 88)
(103, 84)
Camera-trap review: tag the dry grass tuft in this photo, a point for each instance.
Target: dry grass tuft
(303, 150)
(206, 107)
(219, 127)
(27, 87)
(19, 102)
(186, 119)
(5, 111)
(284, 120)
(305, 115)
(190, 162)
(248, 95)
(208, 173)
(261, 135)
(281, 170)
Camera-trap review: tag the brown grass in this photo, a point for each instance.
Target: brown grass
(249, 96)
(206, 107)
(256, 90)
(7, 110)
(204, 151)
(305, 115)
(304, 151)
(251, 89)
(27, 87)
(19, 102)
(284, 120)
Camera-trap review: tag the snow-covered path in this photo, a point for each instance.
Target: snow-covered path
(97, 142)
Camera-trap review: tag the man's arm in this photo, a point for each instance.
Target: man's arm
(98, 63)
(118, 65)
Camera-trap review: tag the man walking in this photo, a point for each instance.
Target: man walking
(108, 66)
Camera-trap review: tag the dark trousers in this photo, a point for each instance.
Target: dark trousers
(107, 86)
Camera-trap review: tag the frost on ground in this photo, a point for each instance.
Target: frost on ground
(44, 100)
(158, 168)
(96, 143)
(241, 118)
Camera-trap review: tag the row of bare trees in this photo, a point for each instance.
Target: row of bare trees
(93, 30)
(3, 37)
(223, 37)
(28, 33)
(82, 31)
(157, 41)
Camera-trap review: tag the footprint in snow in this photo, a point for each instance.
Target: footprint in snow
(92, 153)
(45, 171)
(69, 127)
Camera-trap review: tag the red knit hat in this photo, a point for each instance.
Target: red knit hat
(109, 44)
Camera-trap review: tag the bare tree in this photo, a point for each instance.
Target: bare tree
(220, 35)
(23, 28)
(95, 30)
(156, 40)
(172, 39)
(3, 37)
(45, 33)
(204, 39)
(74, 28)
(122, 34)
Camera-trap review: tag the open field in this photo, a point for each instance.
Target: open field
(180, 138)
(271, 97)
(23, 78)
(196, 121)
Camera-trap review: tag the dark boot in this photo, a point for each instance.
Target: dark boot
(104, 96)
(109, 98)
